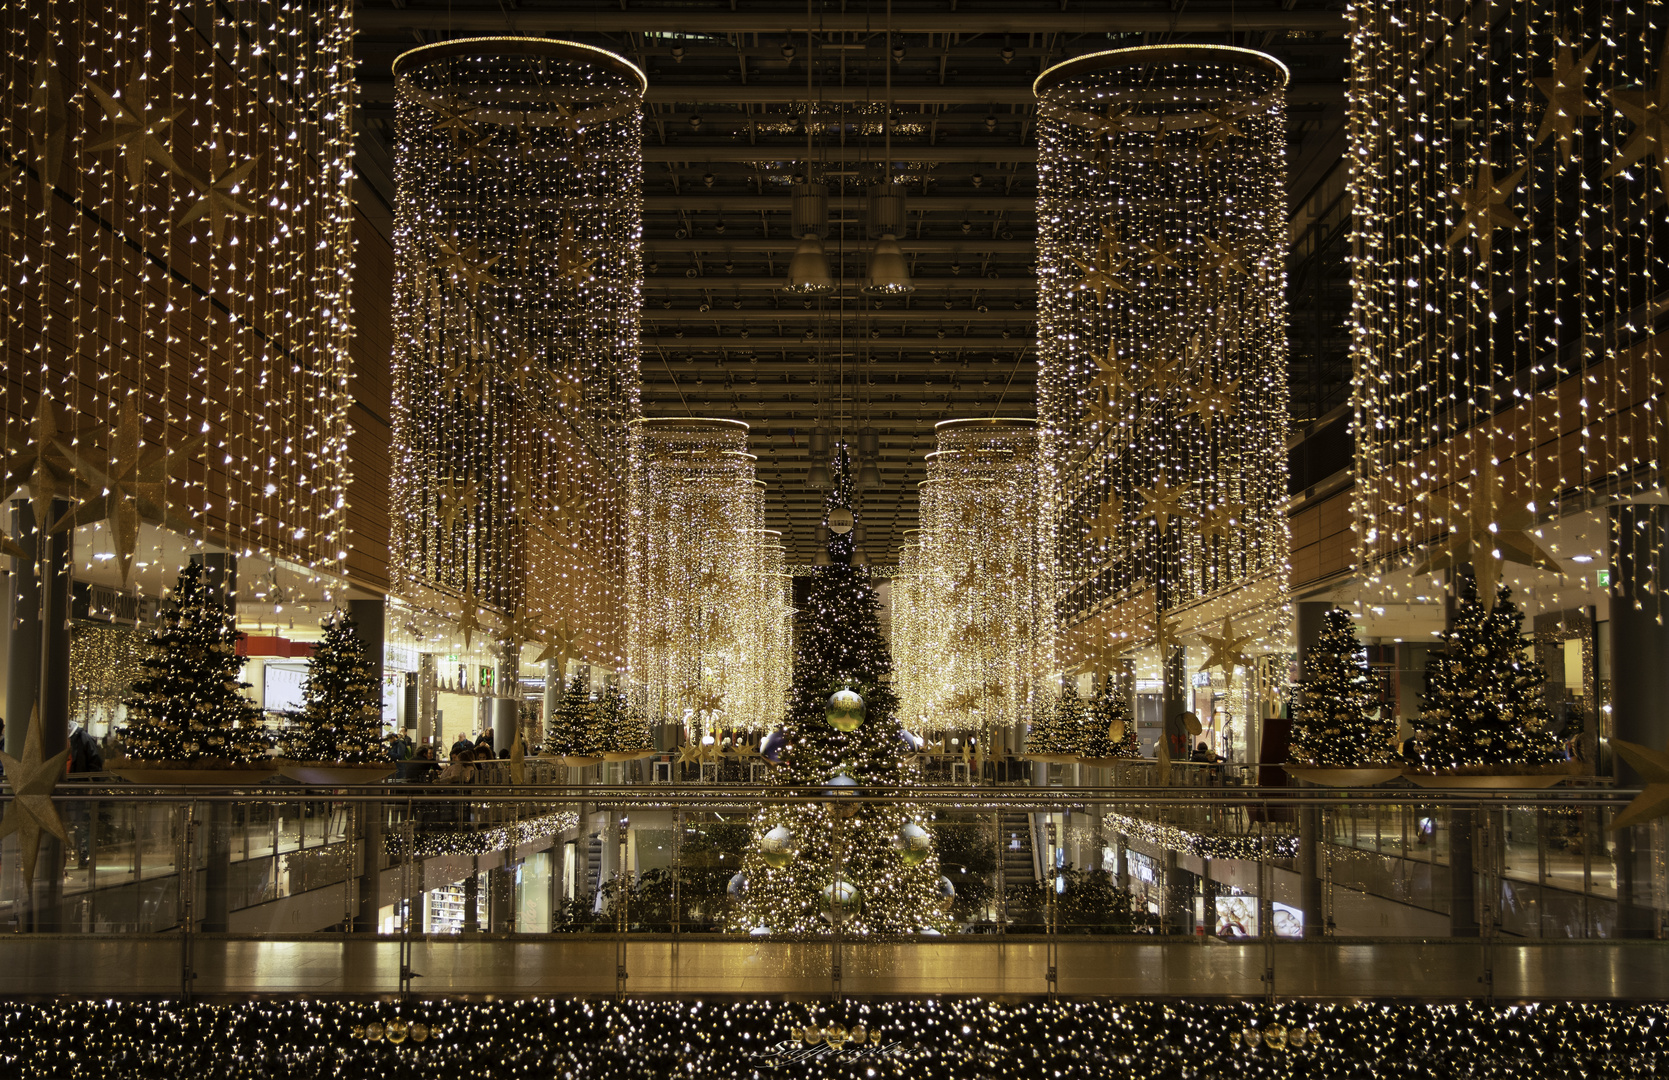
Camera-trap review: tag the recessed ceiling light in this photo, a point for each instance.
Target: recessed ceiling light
(1581, 558)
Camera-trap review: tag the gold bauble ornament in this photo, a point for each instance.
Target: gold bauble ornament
(373, 1031)
(845, 710)
(397, 1030)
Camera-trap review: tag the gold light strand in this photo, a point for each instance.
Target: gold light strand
(518, 278)
(1508, 176)
(1162, 395)
(176, 186)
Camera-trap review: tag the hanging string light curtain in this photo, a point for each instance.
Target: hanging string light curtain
(1508, 175)
(175, 180)
(518, 282)
(709, 612)
(975, 598)
(1162, 395)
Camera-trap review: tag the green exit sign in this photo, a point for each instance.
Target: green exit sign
(1603, 577)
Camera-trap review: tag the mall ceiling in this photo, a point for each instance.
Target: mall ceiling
(723, 140)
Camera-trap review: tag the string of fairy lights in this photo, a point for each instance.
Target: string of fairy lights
(1508, 171)
(1162, 394)
(518, 276)
(708, 636)
(973, 600)
(175, 309)
(936, 1037)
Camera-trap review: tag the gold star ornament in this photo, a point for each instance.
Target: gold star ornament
(31, 810)
(1484, 208)
(1567, 101)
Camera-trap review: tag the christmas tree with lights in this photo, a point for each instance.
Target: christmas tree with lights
(1333, 724)
(1484, 711)
(1110, 730)
(868, 867)
(1058, 727)
(340, 721)
(188, 704)
(576, 728)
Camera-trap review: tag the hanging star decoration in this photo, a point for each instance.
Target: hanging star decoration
(1172, 368)
(1488, 535)
(454, 119)
(457, 500)
(1567, 99)
(1164, 639)
(1115, 371)
(1104, 270)
(1162, 502)
(1109, 516)
(45, 459)
(218, 196)
(1229, 259)
(691, 754)
(1649, 111)
(467, 265)
(1210, 400)
(1219, 128)
(473, 152)
(1653, 800)
(31, 809)
(559, 644)
(468, 609)
(48, 101)
(135, 485)
(1222, 520)
(1484, 208)
(1227, 651)
(1158, 256)
(570, 264)
(134, 129)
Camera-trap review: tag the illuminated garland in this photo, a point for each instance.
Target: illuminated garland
(431, 840)
(176, 221)
(518, 274)
(1206, 845)
(945, 1039)
(1162, 334)
(974, 615)
(1508, 167)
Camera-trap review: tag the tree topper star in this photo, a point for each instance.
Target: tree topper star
(30, 809)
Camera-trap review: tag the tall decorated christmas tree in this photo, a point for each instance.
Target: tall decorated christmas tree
(574, 731)
(188, 704)
(1058, 729)
(340, 720)
(868, 867)
(1110, 731)
(1484, 711)
(1333, 724)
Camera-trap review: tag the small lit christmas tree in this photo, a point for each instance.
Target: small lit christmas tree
(1333, 724)
(625, 728)
(1110, 731)
(340, 720)
(842, 732)
(579, 727)
(188, 703)
(1058, 726)
(1483, 711)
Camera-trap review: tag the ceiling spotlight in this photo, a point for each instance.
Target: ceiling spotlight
(689, 272)
(704, 307)
(967, 226)
(808, 270)
(888, 270)
(682, 233)
(1008, 234)
(955, 268)
(898, 52)
(978, 179)
(729, 268)
(737, 304)
(695, 122)
(708, 178)
(982, 309)
(1008, 54)
(719, 228)
(787, 49)
(990, 123)
(654, 266)
(678, 54)
(667, 304)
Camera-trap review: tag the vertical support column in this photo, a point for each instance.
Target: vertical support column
(371, 618)
(370, 875)
(472, 901)
(1311, 618)
(1208, 898)
(553, 697)
(1175, 674)
(220, 574)
(23, 651)
(507, 705)
(1639, 687)
(426, 701)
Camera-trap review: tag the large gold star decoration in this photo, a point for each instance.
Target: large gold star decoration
(468, 610)
(1115, 371)
(1230, 259)
(134, 129)
(1222, 520)
(691, 754)
(454, 119)
(474, 152)
(135, 485)
(710, 704)
(218, 196)
(570, 266)
(1208, 401)
(1567, 100)
(467, 265)
(1219, 128)
(1488, 535)
(1649, 110)
(1104, 269)
(1158, 256)
(1108, 518)
(1653, 800)
(45, 459)
(457, 500)
(1484, 208)
(559, 644)
(1162, 502)
(30, 810)
(1227, 650)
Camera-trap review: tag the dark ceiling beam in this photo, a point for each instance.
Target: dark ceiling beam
(771, 341)
(970, 246)
(735, 150)
(719, 282)
(1018, 19)
(738, 204)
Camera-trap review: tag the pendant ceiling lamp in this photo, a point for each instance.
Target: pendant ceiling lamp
(889, 273)
(808, 270)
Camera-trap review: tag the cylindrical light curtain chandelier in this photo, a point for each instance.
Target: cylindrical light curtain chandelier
(1163, 398)
(709, 602)
(974, 598)
(1508, 265)
(517, 287)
